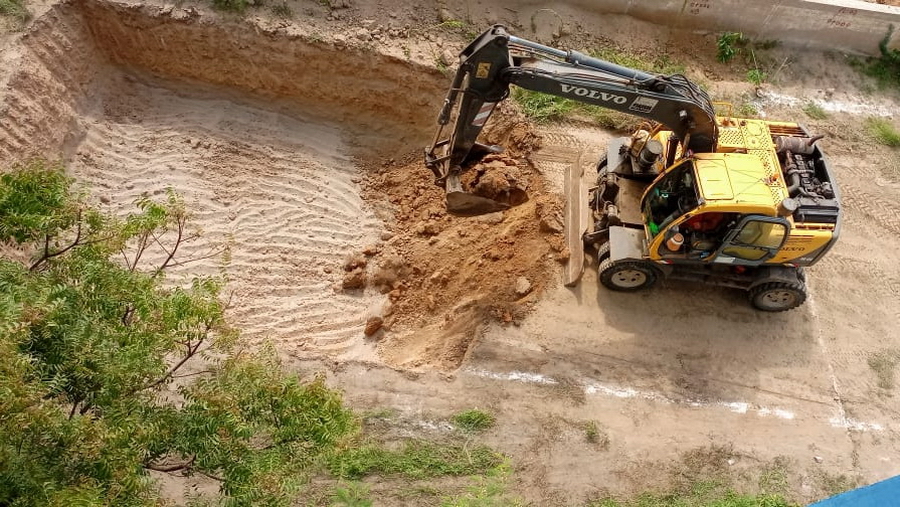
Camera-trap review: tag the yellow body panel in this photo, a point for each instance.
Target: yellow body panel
(744, 177)
(802, 241)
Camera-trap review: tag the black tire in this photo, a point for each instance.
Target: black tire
(601, 164)
(627, 276)
(777, 296)
(603, 252)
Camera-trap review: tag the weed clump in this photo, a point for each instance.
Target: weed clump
(15, 9)
(473, 420)
(814, 111)
(233, 5)
(727, 46)
(883, 132)
(886, 68)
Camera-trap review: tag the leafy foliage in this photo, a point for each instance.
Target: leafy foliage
(93, 348)
(726, 46)
(757, 76)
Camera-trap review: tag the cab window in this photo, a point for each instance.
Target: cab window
(756, 240)
(671, 197)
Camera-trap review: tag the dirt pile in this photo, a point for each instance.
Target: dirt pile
(445, 275)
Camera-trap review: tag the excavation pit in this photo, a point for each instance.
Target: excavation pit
(290, 151)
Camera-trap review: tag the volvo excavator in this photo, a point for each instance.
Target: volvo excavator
(742, 203)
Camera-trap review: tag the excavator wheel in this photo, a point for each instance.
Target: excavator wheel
(777, 296)
(603, 252)
(627, 276)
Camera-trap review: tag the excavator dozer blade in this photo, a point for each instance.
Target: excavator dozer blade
(576, 215)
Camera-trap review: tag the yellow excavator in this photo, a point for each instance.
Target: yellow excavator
(742, 203)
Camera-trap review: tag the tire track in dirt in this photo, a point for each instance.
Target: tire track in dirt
(874, 284)
(882, 212)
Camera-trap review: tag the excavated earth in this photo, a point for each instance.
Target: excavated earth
(301, 159)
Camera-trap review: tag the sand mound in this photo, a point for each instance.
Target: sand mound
(445, 275)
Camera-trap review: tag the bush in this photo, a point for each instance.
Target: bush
(91, 341)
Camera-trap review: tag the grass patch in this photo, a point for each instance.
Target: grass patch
(774, 477)
(883, 131)
(473, 420)
(282, 10)
(747, 110)
(545, 108)
(489, 490)
(15, 9)
(351, 495)
(232, 5)
(814, 111)
(884, 364)
(835, 484)
(702, 494)
(416, 460)
(542, 107)
(704, 478)
(658, 65)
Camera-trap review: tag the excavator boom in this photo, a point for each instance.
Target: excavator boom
(495, 60)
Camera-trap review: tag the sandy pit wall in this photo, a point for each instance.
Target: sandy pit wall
(379, 97)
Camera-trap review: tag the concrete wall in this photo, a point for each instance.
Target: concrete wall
(847, 25)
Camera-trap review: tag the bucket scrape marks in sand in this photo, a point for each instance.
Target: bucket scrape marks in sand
(279, 189)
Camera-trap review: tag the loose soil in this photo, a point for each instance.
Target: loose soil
(297, 142)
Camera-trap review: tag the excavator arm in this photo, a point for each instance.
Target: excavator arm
(495, 60)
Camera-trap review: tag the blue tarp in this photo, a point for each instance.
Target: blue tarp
(881, 494)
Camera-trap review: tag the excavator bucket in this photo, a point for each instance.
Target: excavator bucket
(462, 203)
